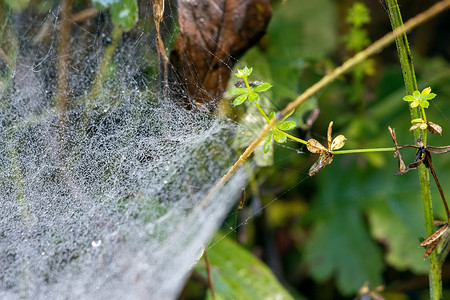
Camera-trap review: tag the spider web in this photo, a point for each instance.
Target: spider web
(105, 203)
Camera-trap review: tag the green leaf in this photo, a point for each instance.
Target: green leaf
(391, 223)
(409, 98)
(418, 120)
(414, 104)
(238, 274)
(124, 14)
(271, 115)
(244, 73)
(424, 103)
(262, 87)
(268, 141)
(253, 97)
(249, 127)
(17, 5)
(287, 125)
(340, 247)
(279, 136)
(238, 91)
(340, 243)
(429, 96)
(240, 99)
(288, 115)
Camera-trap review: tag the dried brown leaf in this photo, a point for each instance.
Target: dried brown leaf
(329, 133)
(338, 142)
(430, 248)
(432, 241)
(158, 11)
(414, 126)
(433, 128)
(436, 235)
(213, 34)
(314, 146)
(324, 160)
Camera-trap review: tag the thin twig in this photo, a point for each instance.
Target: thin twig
(208, 270)
(63, 58)
(84, 14)
(345, 67)
(158, 13)
(429, 164)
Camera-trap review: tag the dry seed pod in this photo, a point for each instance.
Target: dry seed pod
(324, 160)
(433, 128)
(158, 11)
(338, 142)
(432, 241)
(329, 131)
(315, 146)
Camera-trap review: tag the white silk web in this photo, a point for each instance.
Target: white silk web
(105, 203)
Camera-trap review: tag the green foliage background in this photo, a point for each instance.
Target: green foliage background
(323, 237)
(355, 221)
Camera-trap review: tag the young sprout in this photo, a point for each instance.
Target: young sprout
(420, 99)
(244, 90)
(326, 154)
(247, 90)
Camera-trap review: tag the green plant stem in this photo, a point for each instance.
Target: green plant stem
(363, 150)
(330, 77)
(409, 77)
(262, 111)
(424, 117)
(256, 104)
(295, 138)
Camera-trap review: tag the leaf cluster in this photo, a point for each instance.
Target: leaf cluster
(420, 98)
(249, 90)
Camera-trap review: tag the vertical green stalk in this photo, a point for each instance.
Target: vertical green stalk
(409, 77)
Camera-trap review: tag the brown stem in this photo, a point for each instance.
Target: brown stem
(208, 270)
(158, 12)
(84, 14)
(430, 166)
(63, 58)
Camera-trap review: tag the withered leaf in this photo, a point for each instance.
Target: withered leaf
(433, 128)
(158, 10)
(401, 163)
(338, 142)
(417, 125)
(430, 248)
(314, 146)
(432, 241)
(213, 34)
(436, 235)
(329, 132)
(324, 160)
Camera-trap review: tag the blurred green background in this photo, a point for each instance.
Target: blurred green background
(323, 237)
